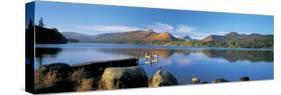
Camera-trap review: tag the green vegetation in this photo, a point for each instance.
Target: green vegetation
(210, 44)
(245, 42)
(252, 42)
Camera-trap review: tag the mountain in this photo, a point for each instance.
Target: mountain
(252, 41)
(211, 38)
(224, 38)
(123, 37)
(231, 39)
(187, 38)
(235, 40)
(135, 37)
(231, 35)
(73, 36)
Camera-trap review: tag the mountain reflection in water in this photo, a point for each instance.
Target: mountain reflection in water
(229, 55)
(182, 62)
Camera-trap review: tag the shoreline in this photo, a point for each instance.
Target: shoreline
(104, 75)
(152, 46)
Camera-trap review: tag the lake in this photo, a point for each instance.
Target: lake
(183, 62)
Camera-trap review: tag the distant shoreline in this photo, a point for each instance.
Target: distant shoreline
(150, 46)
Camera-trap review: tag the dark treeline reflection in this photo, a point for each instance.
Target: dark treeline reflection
(229, 55)
(164, 53)
(238, 55)
(41, 52)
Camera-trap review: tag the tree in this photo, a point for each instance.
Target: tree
(30, 24)
(41, 23)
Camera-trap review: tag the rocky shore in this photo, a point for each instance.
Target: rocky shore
(61, 77)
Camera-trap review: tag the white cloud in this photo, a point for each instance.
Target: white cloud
(109, 28)
(221, 32)
(115, 28)
(225, 32)
(190, 31)
(185, 28)
(161, 27)
(199, 36)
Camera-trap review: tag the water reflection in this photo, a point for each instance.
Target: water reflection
(164, 53)
(116, 53)
(240, 55)
(40, 53)
(208, 64)
(229, 55)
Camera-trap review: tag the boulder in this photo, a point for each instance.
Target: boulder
(205, 82)
(123, 77)
(220, 80)
(244, 79)
(78, 74)
(195, 80)
(163, 78)
(53, 77)
(85, 85)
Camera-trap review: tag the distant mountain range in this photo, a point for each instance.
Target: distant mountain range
(231, 39)
(233, 36)
(187, 38)
(227, 37)
(235, 40)
(151, 36)
(123, 37)
(211, 38)
(79, 37)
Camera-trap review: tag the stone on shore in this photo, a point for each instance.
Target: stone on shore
(195, 80)
(85, 85)
(163, 78)
(244, 79)
(53, 77)
(220, 80)
(123, 77)
(78, 74)
(205, 82)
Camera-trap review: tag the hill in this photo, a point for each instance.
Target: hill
(123, 37)
(73, 36)
(225, 38)
(235, 40)
(252, 41)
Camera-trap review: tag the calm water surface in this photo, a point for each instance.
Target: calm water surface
(183, 62)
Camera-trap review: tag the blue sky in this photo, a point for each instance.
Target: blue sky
(97, 19)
